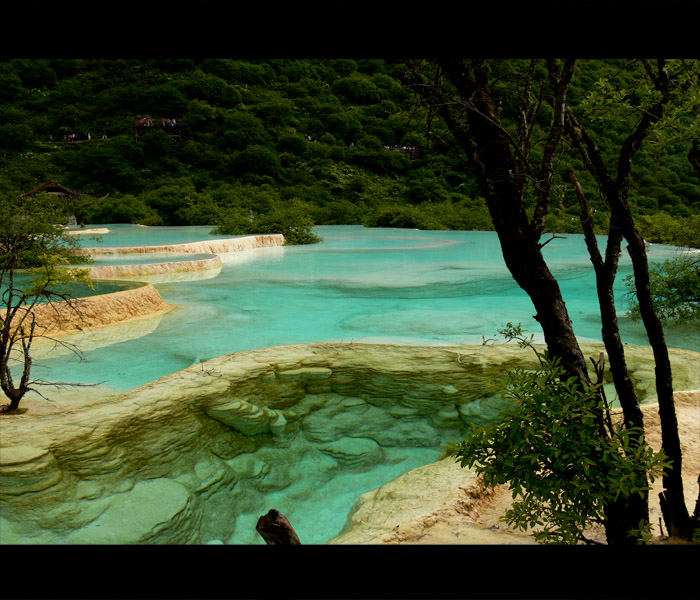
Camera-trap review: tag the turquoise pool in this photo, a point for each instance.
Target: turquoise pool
(383, 285)
(403, 286)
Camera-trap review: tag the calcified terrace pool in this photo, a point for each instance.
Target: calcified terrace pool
(404, 287)
(397, 285)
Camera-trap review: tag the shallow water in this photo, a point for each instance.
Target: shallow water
(81, 289)
(401, 286)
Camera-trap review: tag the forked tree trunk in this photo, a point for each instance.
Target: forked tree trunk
(625, 514)
(473, 121)
(615, 190)
(489, 152)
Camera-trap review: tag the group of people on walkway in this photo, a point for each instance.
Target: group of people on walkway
(76, 137)
(402, 148)
(148, 122)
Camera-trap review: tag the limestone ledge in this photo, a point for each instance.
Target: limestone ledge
(406, 509)
(187, 270)
(93, 231)
(97, 311)
(204, 247)
(215, 437)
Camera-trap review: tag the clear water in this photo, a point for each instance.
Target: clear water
(122, 235)
(401, 286)
(78, 288)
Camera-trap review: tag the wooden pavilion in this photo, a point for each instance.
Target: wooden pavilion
(56, 189)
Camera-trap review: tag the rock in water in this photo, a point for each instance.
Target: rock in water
(276, 530)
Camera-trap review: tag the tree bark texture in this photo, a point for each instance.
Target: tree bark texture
(625, 514)
(276, 530)
(502, 171)
(615, 190)
(502, 180)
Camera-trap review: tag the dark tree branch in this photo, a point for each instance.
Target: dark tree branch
(544, 185)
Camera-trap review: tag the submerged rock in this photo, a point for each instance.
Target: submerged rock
(354, 452)
(246, 417)
(153, 509)
(188, 458)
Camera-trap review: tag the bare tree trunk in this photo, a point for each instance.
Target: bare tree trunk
(502, 181)
(626, 514)
(469, 112)
(615, 190)
(605, 271)
(672, 498)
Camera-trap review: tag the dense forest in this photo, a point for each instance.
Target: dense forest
(329, 141)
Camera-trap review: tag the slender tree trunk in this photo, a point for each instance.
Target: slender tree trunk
(615, 191)
(625, 514)
(606, 271)
(672, 499)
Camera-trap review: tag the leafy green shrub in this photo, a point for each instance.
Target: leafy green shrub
(123, 209)
(241, 129)
(341, 212)
(293, 143)
(646, 202)
(344, 126)
(428, 189)
(342, 67)
(259, 160)
(275, 113)
(675, 287)
(381, 162)
(662, 228)
(289, 219)
(210, 88)
(404, 217)
(548, 447)
(10, 83)
(358, 89)
(164, 101)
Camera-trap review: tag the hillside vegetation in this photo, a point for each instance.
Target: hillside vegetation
(322, 139)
